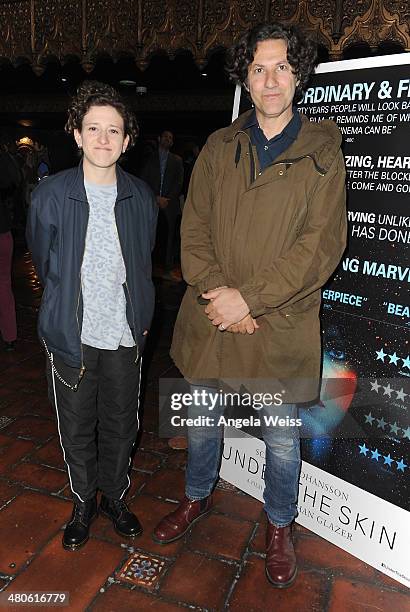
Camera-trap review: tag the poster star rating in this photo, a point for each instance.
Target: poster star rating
(385, 460)
(394, 427)
(381, 423)
(388, 390)
(388, 460)
(375, 386)
(375, 454)
(390, 393)
(406, 433)
(394, 358)
(381, 355)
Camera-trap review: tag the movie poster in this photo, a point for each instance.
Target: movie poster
(355, 479)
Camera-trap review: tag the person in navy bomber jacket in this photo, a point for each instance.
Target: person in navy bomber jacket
(91, 230)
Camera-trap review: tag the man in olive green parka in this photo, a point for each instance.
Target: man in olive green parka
(264, 227)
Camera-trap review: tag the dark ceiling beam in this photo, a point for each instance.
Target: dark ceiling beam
(35, 30)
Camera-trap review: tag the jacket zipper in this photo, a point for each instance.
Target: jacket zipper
(133, 313)
(251, 149)
(128, 291)
(82, 370)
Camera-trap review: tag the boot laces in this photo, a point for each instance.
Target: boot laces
(119, 505)
(80, 512)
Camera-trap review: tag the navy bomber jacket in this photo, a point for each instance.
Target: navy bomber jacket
(56, 232)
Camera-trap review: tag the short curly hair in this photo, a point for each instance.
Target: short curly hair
(94, 93)
(301, 52)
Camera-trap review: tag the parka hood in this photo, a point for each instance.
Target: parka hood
(321, 141)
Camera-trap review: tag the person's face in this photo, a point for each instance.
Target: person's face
(102, 136)
(271, 81)
(166, 140)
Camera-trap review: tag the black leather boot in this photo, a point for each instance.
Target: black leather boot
(77, 529)
(125, 522)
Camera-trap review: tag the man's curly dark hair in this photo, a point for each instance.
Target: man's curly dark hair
(301, 52)
(94, 93)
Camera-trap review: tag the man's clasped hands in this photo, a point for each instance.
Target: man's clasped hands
(228, 311)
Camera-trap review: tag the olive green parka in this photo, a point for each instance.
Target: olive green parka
(276, 236)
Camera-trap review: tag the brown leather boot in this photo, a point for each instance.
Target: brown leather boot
(280, 565)
(174, 525)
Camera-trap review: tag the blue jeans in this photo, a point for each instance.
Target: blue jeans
(282, 460)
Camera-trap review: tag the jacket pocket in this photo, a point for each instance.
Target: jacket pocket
(308, 303)
(48, 313)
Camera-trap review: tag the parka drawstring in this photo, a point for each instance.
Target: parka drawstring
(251, 157)
(252, 160)
(238, 153)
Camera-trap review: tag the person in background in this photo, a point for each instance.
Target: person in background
(91, 230)
(9, 182)
(164, 173)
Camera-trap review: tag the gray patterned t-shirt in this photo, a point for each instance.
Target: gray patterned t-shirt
(105, 324)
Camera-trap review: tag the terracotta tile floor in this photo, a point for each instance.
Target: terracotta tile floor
(218, 566)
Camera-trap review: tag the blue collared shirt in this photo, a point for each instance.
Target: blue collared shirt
(269, 150)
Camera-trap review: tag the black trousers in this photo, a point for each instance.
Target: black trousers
(98, 423)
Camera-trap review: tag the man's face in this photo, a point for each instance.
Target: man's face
(166, 140)
(102, 136)
(271, 81)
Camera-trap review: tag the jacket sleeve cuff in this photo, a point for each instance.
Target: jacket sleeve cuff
(252, 298)
(213, 280)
